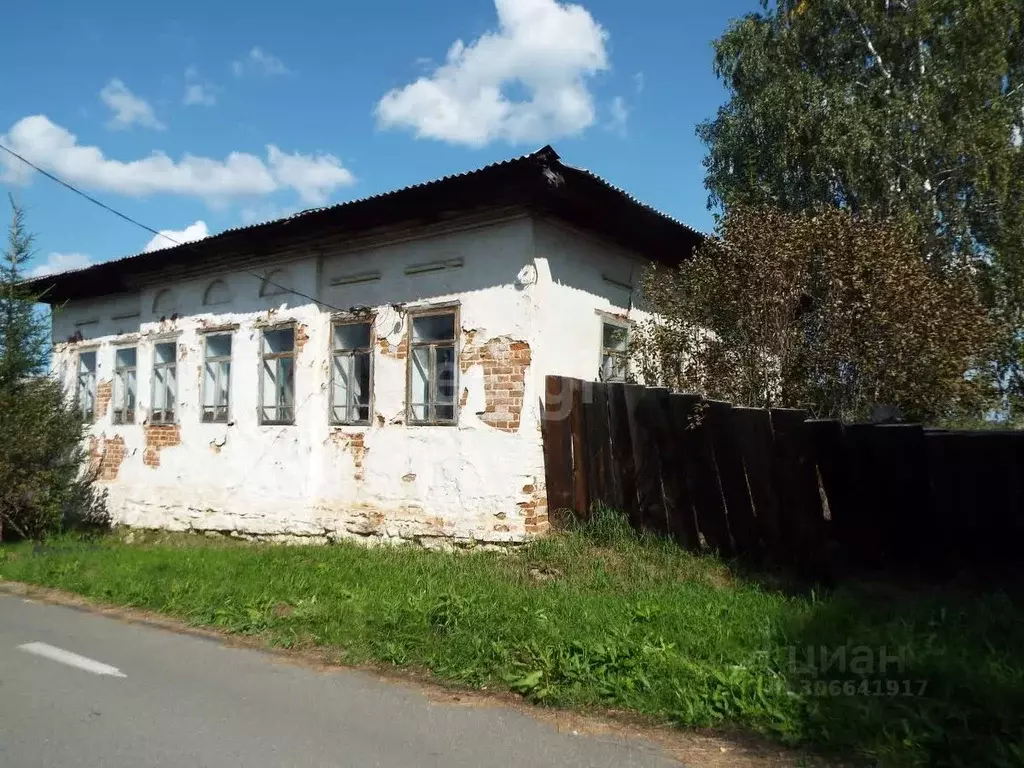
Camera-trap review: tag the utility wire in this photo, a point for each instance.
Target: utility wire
(137, 223)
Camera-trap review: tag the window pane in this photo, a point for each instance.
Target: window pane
(218, 346)
(286, 391)
(131, 389)
(444, 369)
(361, 378)
(223, 393)
(125, 358)
(209, 384)
(164, 353)
(615, 337)
(434, 327)
(445, 412)
(419, 386)
(87, 362)
(276, 342)
(269, 382)
(419, 412)
(172, 386)
(352, 336)
(342, 367)
(159, 389)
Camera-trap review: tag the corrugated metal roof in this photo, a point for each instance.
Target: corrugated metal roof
(516, 181)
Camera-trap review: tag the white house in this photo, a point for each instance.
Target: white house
(373, 369)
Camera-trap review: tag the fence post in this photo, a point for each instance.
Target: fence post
(557, 443)
(622, 452)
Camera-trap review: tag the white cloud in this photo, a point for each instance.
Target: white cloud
(199, 94)
(168, 238)
(240, 174)
(638, 82)
(619, 116)
(60, 262)
(197, 91)
(260, 61)
(128, 108)
(546, 47)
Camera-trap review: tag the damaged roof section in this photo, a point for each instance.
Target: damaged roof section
(538, 183)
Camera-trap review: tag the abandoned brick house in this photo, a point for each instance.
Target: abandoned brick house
(374, 368)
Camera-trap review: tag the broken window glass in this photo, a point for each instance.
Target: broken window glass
(278, 382)
(614, 354)
(85, 391)
(165, 384)
(433, 369)
(124, 385)
(350, 394)
(217, 378)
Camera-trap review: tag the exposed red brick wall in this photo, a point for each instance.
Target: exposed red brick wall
(504, 361)
(301, 337)
(106, 455)
(104, 393)
(399, 352)
(355, 443)
(159, 436)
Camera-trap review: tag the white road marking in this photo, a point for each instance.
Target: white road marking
(71, 659)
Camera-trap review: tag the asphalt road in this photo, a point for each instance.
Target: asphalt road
(80, 689)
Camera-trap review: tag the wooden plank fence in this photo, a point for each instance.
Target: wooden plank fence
(777, 487)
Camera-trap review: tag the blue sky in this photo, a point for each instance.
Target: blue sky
(199, 117)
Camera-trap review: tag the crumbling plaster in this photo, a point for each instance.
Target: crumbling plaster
(480, 481)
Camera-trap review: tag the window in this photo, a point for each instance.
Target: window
(85, 389)
(165, 383)
(433, 369)
(277, 384)
(124, 386)
(614, 341)
(350, 372)
(165, 302)
(217, 377)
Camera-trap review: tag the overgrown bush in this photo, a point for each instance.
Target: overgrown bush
(46, 483)
(833, 312)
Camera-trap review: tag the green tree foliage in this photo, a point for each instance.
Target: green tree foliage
(45, 483)
(833, 312)
(906, 108)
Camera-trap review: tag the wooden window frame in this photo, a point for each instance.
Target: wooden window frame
(121, 373)
(277, 356)
(351, 354)
(153, 385)
(212, 409)
(627, 326)
(91, 417)
(431, 419)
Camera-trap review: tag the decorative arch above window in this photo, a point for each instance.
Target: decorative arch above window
(165, 302)
(217, 292)
(273, 284)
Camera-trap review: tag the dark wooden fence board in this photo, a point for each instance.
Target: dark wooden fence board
(598, 447)
(753, 482)
(754, 434)
(580, 464)
(701, 472)
(622, 451)
(678, 500)
(642, 408)
(803, 521)
(557, 440)
(738, 508)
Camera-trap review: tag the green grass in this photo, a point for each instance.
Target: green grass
(600, 618)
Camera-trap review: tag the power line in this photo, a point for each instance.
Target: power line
(137, 223)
